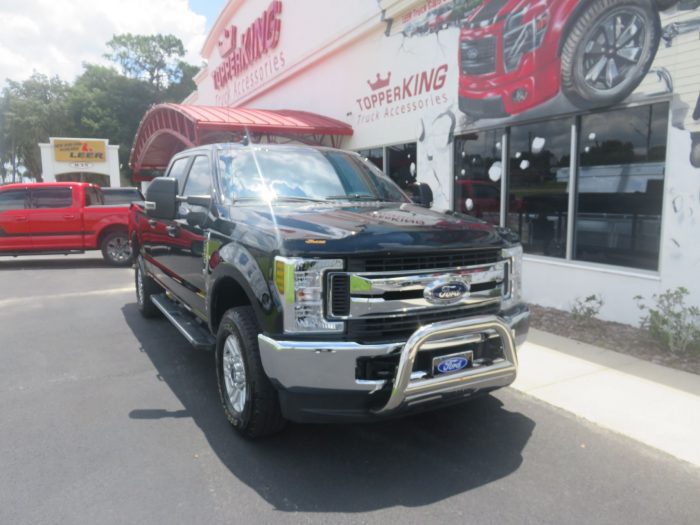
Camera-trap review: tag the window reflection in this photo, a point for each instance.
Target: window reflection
(478, 171)
(620, 186)
(539, 176)
(399, 159)
(374, 155)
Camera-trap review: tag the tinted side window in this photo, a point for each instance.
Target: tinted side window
(52, 198)
(199, 180)
(92, 198)
(13, 200)
(177, 171)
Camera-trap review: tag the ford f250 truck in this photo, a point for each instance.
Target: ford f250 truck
(62, 217)
(324, 291)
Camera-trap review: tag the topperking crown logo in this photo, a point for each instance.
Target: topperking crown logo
(380, 82)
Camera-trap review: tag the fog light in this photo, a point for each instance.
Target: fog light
(519, 95)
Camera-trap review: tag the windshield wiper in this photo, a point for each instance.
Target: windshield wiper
(355, 197)
(296, 199)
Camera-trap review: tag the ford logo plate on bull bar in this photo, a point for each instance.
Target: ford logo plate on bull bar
(449, 364)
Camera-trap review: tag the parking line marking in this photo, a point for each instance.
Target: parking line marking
(42, 298)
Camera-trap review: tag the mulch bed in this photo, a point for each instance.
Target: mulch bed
(613, 336)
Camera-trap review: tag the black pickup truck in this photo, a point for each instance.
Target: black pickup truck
(324, 291)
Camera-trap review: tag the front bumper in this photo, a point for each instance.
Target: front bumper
(317, 380)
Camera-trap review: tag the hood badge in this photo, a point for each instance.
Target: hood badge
(446, 291)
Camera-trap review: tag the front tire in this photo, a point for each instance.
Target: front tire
(608, 51)
(116, 249)
(250, 402)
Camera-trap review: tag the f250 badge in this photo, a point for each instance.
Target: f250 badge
(446, 292)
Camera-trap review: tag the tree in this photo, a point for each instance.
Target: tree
(30, 112)
(106, 104)
(153, 58)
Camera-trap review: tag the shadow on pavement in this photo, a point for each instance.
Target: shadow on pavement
(60, 262)
(410, 462)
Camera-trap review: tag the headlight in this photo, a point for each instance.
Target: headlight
(513, 293)
(299, 283)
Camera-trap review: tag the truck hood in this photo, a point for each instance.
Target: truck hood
(359, 228)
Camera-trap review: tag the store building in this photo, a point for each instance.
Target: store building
(80, 160)
(574, 122)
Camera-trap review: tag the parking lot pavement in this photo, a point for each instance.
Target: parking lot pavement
(110, 418)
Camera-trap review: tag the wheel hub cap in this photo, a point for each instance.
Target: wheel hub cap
(119, 249)
(234, 373)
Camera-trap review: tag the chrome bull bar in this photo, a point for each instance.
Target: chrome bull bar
(500, 373)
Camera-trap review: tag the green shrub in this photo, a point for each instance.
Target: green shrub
(585, 310)
(671, 321)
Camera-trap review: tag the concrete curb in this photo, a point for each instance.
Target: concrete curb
(650, 403)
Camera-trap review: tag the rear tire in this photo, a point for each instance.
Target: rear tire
(250, 402)
(116, 249)
(145, 288)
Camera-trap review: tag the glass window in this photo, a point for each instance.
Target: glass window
(539, 160)
(177, 171)
(399, 159)
(13, 200)
(620, 186)
(478, 171)
(199, 179)
(92, 198)
(374, 155)
(301, 173)
(52, 198)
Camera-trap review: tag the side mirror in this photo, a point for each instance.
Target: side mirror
(161, 198)
(469, 204)
(421, 194)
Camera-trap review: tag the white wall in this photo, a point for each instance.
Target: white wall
(332, 49)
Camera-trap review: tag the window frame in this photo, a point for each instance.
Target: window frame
(573, 191)
(35, 191)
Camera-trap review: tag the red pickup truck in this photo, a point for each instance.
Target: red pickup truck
(62, 217)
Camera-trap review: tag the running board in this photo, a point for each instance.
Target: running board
(197, 335)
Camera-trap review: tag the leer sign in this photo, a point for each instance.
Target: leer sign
(79, 150)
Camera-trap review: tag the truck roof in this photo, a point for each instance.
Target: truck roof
(25, 185)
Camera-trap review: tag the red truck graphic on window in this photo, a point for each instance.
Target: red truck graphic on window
(516, 54)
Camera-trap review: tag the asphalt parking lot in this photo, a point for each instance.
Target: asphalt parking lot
(110, 418)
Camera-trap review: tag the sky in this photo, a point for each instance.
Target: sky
(55, 37)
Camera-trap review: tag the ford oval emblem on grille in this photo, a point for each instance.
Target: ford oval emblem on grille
(446, 292)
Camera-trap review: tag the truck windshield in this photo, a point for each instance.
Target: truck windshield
(297, 173)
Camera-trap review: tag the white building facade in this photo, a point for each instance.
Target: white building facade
(575, 124)
(80, 160)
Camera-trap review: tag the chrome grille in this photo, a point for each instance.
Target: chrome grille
(478, 57)
(401, 263)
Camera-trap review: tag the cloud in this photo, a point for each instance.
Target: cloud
(55, 37)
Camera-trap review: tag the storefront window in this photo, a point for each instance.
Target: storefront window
(399, 159)
(478, 172)
(375, 156)
(620, 186)
(539, 175)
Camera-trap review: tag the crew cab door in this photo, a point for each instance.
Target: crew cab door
(55, 221)
(14, 221)
(187, 260)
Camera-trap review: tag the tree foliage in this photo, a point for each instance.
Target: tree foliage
(30, 112)
(153, 58)
(101, 103)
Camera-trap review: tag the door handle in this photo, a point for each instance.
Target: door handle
(152, 223)
(173, 231)
(69, 216)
